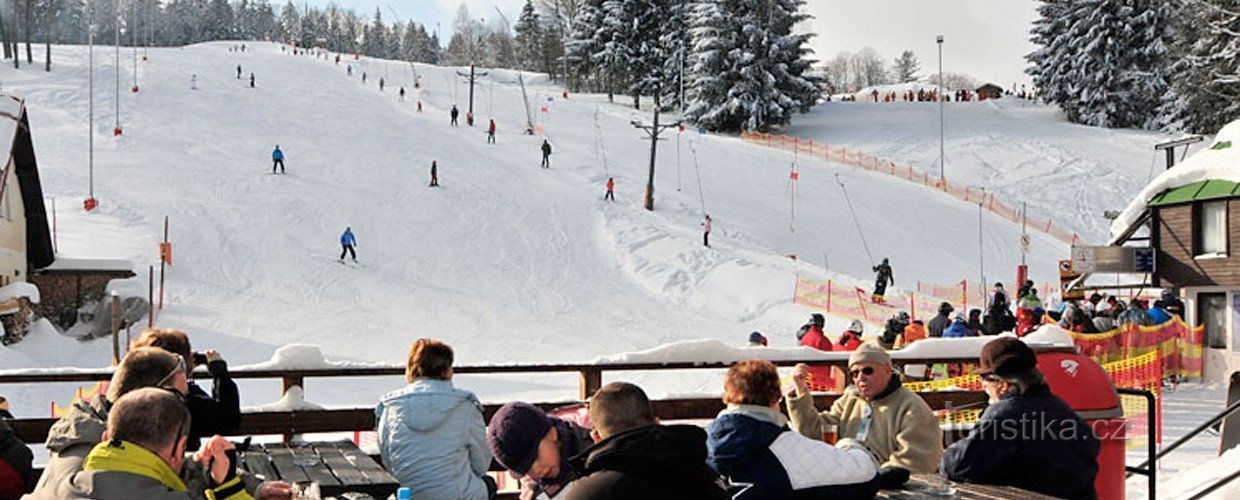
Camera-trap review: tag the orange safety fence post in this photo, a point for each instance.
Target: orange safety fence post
(964, 294)
(861, 302)
(828, 296)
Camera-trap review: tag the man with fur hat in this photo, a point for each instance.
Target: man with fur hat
(890, 420)
(1027, 437)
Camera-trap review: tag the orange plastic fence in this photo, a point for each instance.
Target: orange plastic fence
(1178, 344)
(907, 172)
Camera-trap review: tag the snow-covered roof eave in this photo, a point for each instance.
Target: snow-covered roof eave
(1219, 161)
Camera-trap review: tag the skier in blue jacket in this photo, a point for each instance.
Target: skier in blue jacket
(277, 159)
(348, 241)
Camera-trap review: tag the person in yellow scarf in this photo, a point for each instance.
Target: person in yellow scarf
(143, 447)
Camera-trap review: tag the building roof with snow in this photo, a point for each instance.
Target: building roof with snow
(20, 161)
(1211, 173)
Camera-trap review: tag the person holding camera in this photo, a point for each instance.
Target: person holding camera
(216, 413)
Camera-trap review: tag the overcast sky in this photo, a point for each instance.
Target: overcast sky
(987, 39)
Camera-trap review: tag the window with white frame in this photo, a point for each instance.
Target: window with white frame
(1212, 228)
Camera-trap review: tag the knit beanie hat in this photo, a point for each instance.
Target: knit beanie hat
(514, 434)
(870, 353)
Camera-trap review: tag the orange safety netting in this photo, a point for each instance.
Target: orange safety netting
(871, 163)
(86, 394)
(1179, 346)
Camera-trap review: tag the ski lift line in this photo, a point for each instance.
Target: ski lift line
(698, 172)
(600, 150)
(856, 221)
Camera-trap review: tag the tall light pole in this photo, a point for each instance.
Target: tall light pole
(942, 157)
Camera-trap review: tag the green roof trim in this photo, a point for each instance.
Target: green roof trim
(1203, 190)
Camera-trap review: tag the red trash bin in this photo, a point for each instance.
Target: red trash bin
(1082, 383)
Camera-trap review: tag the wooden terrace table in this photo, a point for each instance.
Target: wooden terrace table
(918, 488)
(338, 467)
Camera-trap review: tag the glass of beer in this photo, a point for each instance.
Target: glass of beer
(830, 433)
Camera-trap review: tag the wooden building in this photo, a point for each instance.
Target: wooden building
(989, 91)
(1191, 214)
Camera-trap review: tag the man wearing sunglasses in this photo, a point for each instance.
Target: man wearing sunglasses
(877, 411)
(1027, 437)
(78, 431)
(143, 448)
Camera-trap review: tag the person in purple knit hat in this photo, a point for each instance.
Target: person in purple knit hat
(536, 448)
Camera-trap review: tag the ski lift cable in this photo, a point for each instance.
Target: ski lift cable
(599, 149)
(856, 221)
(698, 172)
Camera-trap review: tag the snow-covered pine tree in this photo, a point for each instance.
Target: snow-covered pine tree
(905, 67)
(219, 21)
(1108, 67)
(586, 39)
(750, 66)
(290, 23)
(634, 54)
(1049, 62)
(530, 39)
(674, 38)
(1207, 76)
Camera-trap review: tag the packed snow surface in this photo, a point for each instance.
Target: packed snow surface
(1023, 151)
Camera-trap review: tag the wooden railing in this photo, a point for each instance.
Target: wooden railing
(590, 376)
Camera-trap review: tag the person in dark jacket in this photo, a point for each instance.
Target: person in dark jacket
(1058, 455)
(881, 280)
(434, 173)
(635, 457)
(16, 463)
(896, 326)
(940, 321)
(975, 322)
(1172, 304)
(215, 413)
(453, 114)
(536, 448)
(546, 154)
(750, 443)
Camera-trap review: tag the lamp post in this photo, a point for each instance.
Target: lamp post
(942, 157)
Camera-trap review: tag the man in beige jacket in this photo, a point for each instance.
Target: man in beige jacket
(893, 422)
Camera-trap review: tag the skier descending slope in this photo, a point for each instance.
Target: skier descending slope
(277, 160)
(881, 280)
(434, 173)
(348, 242)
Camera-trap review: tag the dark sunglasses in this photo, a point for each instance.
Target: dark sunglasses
(866, 370)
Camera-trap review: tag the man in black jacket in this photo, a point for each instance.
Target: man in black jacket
(16, 470)
(215, 413)
(940, 321)
(1027, 438)
(635, 457)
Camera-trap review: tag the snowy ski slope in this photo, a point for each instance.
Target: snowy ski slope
(506, 261)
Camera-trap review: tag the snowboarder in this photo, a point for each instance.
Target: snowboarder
(454, 113)
(706, 233)
(251, 80)
(348, 241)
(238, 71)
(434, 173)
(611, 189)
(380, 84)
(402, 94)
(277, 159)
(491, 133)
(546, 151)
(881, 280)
